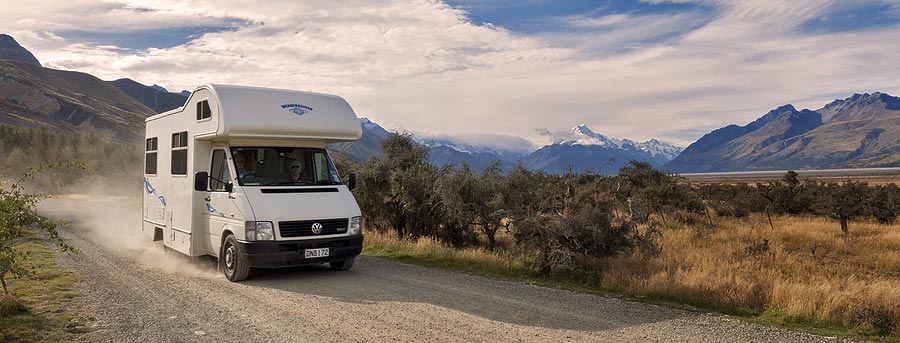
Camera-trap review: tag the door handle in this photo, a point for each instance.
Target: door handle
(207, 199)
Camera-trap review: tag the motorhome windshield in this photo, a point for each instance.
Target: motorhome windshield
(276, 166)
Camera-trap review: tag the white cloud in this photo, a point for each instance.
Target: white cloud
(425, 66)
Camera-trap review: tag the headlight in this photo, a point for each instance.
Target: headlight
(356, 226)
(260, 231)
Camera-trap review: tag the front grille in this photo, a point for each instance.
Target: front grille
(303, 228)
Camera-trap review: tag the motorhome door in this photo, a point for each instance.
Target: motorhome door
(217, 202)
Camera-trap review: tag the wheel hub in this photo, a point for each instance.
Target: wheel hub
(229, 258)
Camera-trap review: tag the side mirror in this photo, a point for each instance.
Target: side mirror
(229, 187)
(351, 181)
(201, 180)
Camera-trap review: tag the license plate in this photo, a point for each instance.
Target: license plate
(313, 253)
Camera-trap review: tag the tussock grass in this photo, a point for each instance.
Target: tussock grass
(810, 272)
(803, 273)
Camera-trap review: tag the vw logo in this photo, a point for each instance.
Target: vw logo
(317, 228)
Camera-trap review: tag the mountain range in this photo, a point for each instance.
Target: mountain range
(582, 150)
(860, 131)
(68, 101)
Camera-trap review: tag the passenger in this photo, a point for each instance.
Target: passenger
(298, 172)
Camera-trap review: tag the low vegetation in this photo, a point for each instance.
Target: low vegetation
(43, 307)
(804, 253)
(37, 301)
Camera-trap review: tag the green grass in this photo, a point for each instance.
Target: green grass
(505, 265)
(50, 295)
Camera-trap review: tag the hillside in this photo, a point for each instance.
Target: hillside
(11, 50)
(156, 98)
(33, 96)
(858, 132)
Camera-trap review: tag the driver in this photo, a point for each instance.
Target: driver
(243, 163)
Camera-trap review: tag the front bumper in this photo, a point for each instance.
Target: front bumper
(277, 254)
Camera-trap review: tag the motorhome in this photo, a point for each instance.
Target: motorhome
(242, 174)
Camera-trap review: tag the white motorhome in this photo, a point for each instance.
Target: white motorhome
(241, 174)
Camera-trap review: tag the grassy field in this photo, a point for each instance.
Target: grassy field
(872, 176)
(50, 296)
(803, 273)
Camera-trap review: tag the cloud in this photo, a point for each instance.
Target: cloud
(482, 141)
(426, 66)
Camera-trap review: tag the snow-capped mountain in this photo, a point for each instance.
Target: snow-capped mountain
(580, 150)
(583, 135)
(368, 146)
(448, 152)
(583, 149)
(373, 128)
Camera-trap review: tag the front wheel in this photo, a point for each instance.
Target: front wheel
(342, 265)
(232, 264)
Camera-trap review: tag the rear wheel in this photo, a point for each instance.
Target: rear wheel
(232, 264)
(342, 265)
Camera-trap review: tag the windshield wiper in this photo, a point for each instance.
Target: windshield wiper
(326, 182)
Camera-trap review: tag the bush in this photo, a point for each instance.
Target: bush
(580, 225)
(17, 214)
(874, 318)
(10, 305)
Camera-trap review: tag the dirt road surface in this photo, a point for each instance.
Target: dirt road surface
(139, 294)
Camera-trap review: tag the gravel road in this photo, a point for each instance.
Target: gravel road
(139, 294)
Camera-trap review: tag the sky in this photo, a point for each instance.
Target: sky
(503, 73)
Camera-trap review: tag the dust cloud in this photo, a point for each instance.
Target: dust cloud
(113, 222)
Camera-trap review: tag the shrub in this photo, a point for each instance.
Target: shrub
(18, 213)
(10, 305)
(580, 225)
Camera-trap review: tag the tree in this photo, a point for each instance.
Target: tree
(18, 214)
(883, 203)
(646, 191)
(844, 202)
(399, 190)
(457, 192)
(784, 196)
(490, 202)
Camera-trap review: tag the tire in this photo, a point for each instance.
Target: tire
(232, 263)
(344, 265)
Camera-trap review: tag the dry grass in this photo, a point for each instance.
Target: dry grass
(807, 275)
(431, 252)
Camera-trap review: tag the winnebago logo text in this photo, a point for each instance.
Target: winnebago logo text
(297, 109)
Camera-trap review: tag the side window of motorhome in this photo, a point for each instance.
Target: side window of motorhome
(203, 110)
(179, 153)
(150, 156)
(218, 172)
